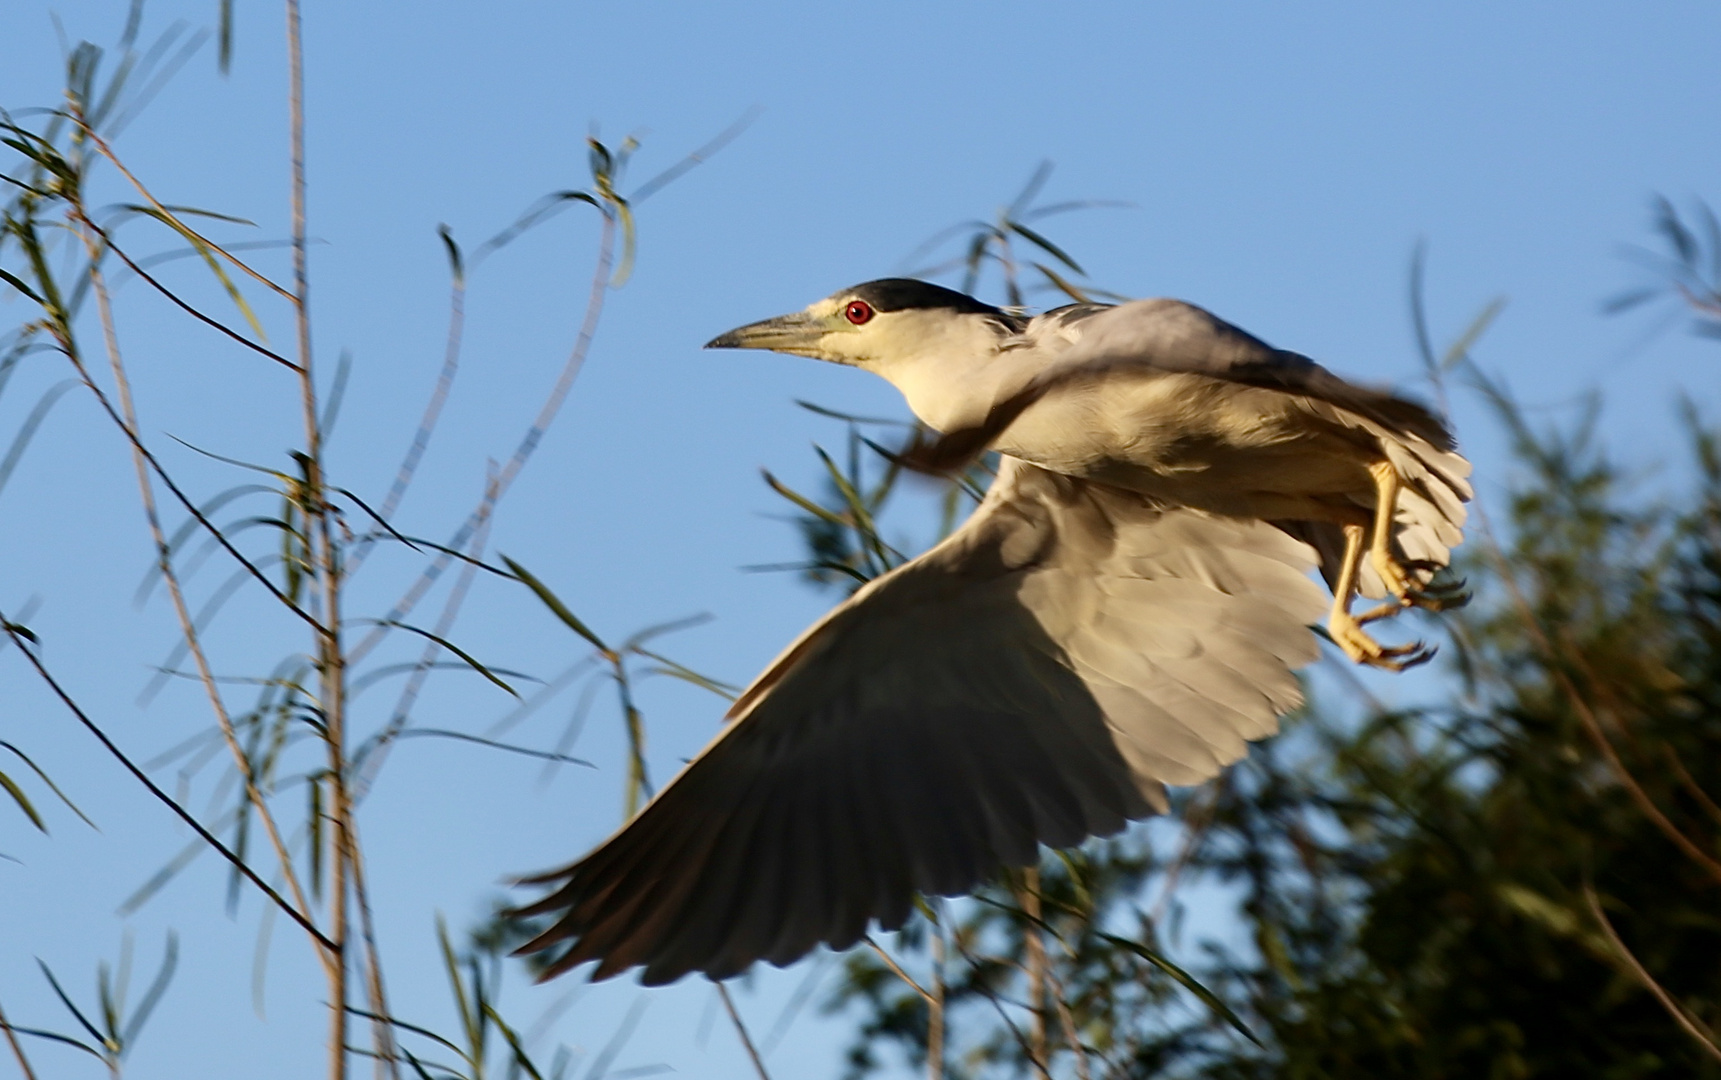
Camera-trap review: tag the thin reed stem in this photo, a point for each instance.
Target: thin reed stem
(382, 1035)
(325, 560)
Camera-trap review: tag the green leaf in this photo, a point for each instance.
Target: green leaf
(152, 996)
(1046, 245)
(456, 266)
(1031, 190)
(54, 1036)
(1063, 285)
(681, 671)
(16, 283)
(224, 47)
(404, 1026)
(1186, 980)
(514, 1044)
(37, 769)
(210, 259)
(543, 755)
(468, 1015)
(802, 501)
(22, 800)
(1460, 348)
(451, 647)
(554, 603)
(83, 1021)
(27, 430)
(337, 391)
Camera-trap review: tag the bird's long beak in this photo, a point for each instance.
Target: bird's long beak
(797, 333)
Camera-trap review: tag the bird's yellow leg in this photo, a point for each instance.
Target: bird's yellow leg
(1397, 580)
(1406, 591)
(1346, 629)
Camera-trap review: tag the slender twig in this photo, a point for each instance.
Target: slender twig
(17, 1049)
(1686, 1022)
(332, 660)
(143, 778)
(1650, 810)
(1690, 783)
(1586, 716)
(935, 1018)
(998, 1006)
(432, 413)
(891, 963)
(1067, 1020)
(522, 453)
(188, 628)
(1035, 946)
(180, 303)
(421, 671)
(741, 1029)
(388, 1059)
(69, 349)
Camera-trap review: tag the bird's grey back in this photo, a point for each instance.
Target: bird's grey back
(1174, 336)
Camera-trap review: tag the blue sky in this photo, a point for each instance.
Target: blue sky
(1281, 163)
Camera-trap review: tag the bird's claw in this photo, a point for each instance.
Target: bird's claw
(1347, 633)
(1400, 580)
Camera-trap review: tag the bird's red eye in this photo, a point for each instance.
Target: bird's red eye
(858, 311)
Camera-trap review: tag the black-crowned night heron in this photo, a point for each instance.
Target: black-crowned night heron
(1124, 610)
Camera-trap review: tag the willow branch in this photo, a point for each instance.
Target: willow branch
(108, 152)
(146, 494)
(175, 299)
(149, 785)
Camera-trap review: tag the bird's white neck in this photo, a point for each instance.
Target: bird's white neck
(951, 371)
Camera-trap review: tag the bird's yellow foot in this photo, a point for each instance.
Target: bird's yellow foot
(1347, 633)
(1392, 573)
(1402, 584)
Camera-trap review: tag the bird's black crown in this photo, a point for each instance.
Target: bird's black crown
(903, 294)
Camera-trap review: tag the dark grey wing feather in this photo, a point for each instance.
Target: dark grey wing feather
(1032, 680)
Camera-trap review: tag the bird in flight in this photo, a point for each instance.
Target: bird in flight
(1126, 609)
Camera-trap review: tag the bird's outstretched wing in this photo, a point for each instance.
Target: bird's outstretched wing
(1034, 679)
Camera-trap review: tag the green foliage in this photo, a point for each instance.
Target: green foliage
(111, 1033)
(1417, 885)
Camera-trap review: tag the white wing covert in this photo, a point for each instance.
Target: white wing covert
(1034, 679)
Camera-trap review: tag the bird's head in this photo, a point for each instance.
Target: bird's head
(879, 325)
